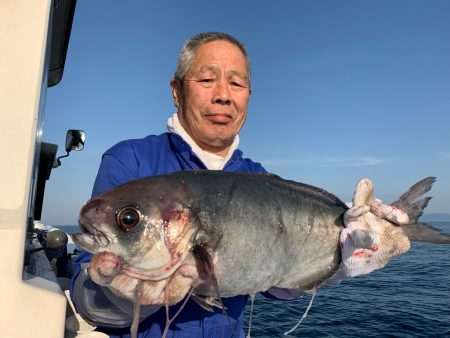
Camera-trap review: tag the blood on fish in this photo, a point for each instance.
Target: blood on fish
(361, 253)
(358, 254)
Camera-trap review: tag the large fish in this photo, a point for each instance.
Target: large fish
(215, 234)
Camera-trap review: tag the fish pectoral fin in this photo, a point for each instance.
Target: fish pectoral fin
(208, 303)
(204, 262)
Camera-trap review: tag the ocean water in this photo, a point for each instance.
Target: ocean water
(410, 297)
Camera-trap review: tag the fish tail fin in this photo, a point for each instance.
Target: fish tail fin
(425, 233)
(413, 206)
(409, 202)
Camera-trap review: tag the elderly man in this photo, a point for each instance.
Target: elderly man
(211, 89)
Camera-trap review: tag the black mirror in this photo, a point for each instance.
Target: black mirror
(75, 140)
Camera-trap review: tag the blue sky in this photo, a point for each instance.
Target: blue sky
(341, 90)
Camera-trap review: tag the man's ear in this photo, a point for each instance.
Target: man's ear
(176, 92)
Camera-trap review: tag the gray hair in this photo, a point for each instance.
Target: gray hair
(190, 48)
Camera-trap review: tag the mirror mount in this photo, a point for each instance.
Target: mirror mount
(57, 162)
(74, 141)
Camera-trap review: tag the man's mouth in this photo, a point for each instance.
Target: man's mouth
(220, 118)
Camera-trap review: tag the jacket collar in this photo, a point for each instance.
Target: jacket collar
(182, 148)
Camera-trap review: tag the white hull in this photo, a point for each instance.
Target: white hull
(31, 304)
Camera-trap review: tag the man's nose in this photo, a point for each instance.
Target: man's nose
(221, 93)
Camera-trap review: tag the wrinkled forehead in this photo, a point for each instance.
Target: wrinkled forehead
(216, 70)
(216, 55)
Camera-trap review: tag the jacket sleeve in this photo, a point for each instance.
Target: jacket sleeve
(119, 165)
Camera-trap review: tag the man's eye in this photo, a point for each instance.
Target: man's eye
(237, 84)
(206, 80)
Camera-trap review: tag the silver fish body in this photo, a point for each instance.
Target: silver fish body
(221, 234)
(259, 230)
(264, 231)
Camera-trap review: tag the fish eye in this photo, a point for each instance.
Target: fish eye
(128, 217)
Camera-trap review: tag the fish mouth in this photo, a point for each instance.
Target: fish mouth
(91, 239)
(86, 227)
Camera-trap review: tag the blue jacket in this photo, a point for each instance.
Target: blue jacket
(130, 160)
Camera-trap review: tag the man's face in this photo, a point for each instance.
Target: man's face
(212, 105)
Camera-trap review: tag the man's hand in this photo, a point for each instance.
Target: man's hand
(371, 238)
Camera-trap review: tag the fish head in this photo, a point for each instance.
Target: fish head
(148, 224)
